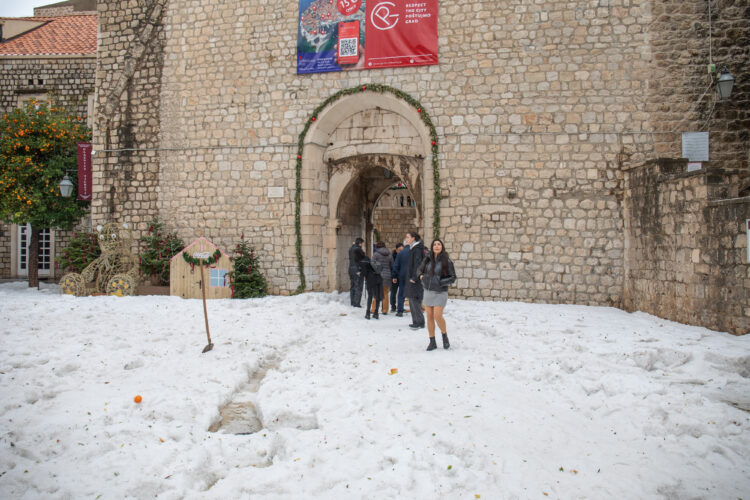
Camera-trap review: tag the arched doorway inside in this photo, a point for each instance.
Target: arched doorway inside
(368, 208)
(355, 151)
(394, 214)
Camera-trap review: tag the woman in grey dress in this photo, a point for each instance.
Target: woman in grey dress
(437, 274)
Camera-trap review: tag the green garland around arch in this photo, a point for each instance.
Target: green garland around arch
(301, 144)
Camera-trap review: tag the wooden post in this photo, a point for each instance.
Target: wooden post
(205, 311)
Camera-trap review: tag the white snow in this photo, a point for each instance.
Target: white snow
(531, 401)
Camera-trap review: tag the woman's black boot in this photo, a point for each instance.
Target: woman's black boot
(446, 344)
(432, 345)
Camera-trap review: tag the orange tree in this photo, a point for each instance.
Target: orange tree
(37, 148)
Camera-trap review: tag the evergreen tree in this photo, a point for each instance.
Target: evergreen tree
(158, 249)
(80, 252)
(247, 280)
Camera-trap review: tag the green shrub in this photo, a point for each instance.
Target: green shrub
(80, 252)
(247, 280)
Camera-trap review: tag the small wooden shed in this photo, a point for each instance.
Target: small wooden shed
(185, 280)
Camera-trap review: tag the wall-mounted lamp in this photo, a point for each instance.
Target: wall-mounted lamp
(724, 84)
(66, 187)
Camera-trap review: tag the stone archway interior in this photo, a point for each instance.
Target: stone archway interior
(365, 201)
(395, 213)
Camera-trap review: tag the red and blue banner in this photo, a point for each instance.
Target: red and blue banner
(342, 35)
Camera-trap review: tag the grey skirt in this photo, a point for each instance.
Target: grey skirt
(435, 298)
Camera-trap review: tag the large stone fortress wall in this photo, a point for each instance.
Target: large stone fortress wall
(538, 106)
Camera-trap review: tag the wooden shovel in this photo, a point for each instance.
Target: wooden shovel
(205, 311)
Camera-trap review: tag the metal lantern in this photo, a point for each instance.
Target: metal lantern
(724, 84)
(66, 187)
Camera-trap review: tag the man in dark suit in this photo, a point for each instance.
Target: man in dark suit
(395, 285)
(356, 279)
(400, 265)
(413, 289)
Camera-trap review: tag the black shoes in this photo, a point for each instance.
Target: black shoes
(415, 327)
(399, 315)
(375, 316)
(367, 316)
(432, 345)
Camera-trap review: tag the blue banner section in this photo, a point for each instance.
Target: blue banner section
(318, 44)
(320, 62)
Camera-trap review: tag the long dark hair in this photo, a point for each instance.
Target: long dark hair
(443, 259)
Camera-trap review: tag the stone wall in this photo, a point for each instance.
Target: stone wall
(682, 96)
(64, 8)
(393, 224)
(536, 98)
(684, 236)
(71, 80)
(126, 133)
(538, 108)
(686, 246)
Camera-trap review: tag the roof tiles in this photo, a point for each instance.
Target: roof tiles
(65, 35)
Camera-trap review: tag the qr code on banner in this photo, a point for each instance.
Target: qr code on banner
(348, 47)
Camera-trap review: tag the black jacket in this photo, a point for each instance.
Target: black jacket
(416, 256)
(356, 254)
(372, 278)
(438, 281)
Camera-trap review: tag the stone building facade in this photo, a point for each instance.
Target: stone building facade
(686, 245)
(541, 111)
(53, 55)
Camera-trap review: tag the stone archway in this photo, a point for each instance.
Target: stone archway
(349, 144)
(354, 206)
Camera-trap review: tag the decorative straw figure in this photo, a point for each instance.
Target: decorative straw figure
(114, 272)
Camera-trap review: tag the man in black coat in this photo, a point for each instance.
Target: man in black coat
(374, 286)
(413, 287)
(356, 279)
(394, 276)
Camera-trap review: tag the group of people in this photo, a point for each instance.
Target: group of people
(411, 272)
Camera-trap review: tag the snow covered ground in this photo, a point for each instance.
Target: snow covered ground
(532, 401)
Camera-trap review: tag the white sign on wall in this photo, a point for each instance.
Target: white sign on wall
(695, 146)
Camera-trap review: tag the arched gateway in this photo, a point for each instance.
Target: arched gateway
(356, 149)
